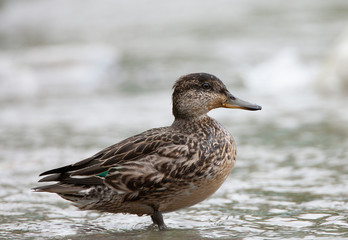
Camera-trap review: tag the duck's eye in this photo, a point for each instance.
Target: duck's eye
(205, 85)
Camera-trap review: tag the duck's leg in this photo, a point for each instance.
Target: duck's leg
(157, 218)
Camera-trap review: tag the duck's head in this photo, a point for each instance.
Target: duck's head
(196, 94)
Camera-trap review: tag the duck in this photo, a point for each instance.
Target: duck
(162, 169)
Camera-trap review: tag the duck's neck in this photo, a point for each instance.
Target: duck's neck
(193, 123)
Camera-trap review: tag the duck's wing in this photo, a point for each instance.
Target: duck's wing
(132, 165)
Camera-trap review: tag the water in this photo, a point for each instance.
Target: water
(74, 80)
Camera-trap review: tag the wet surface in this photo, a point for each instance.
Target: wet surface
(63, 98)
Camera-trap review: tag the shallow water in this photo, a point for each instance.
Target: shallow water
(71, 85)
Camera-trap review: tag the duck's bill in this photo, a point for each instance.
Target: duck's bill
(234, 102)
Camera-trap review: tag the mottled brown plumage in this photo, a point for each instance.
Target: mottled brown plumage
(162, 169)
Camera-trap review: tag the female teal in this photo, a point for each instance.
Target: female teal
(162, 169)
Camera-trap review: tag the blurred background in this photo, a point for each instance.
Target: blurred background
(77, 76)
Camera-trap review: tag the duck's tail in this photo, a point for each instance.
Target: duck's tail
(82, 191)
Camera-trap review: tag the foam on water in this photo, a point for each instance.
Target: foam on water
(282, 74)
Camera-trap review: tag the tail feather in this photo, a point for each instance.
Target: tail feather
(81, 182)
(59, 188)
(87, 181)
(71, 180)
(51, 178)
(72, 167)
(67, 184)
